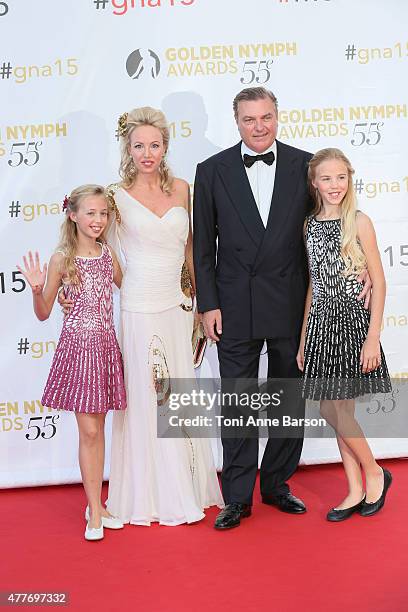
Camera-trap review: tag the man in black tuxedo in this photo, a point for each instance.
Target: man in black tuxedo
(251, 287)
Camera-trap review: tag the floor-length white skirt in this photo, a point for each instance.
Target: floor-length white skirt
(168, 480)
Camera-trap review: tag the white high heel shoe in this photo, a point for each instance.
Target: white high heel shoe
(94, 533)
(110, 522)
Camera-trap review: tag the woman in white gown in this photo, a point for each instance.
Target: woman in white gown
(168, 480)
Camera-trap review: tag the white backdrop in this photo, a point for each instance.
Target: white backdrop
(69, 69)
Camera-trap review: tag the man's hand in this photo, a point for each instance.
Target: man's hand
(365, 294)
(212, 322)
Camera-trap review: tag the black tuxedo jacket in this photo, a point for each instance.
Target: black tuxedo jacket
(257, 276)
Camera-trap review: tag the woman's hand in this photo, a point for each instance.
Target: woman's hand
(300, 357)
(32, 272)
(370, 357)
(364, 277)
(198, 318)
(66, 304)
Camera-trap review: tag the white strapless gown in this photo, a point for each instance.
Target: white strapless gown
(152, 479)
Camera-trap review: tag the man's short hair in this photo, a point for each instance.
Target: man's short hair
(253, 93)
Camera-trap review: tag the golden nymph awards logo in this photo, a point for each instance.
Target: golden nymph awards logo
(253, 61)
(23, 143)
(143, 62)
(364, 125)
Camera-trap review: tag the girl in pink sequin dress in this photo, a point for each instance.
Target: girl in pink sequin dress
(86, 374)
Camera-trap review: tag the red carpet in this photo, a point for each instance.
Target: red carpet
(273, 561)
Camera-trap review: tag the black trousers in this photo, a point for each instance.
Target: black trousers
(240, 359)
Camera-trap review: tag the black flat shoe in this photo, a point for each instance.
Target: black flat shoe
(231, 515)
(370, 508)
(335, 516)
(286, 502)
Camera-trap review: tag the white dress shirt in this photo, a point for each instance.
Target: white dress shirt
(262, 180)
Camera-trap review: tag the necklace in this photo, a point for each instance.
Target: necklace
(91, 252)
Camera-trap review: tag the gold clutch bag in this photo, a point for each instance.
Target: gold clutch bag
(198, 342)
(198, 338)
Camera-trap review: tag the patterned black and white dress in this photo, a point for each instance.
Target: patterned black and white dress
(337, 325)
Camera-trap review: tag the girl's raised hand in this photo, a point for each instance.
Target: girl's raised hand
(33, 273)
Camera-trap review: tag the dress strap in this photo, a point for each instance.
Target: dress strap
(107, 249)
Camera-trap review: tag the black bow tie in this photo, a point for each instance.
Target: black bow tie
(267, 158)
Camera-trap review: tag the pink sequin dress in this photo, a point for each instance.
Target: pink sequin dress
(87, 373)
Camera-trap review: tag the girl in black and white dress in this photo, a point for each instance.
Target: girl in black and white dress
(340, 352)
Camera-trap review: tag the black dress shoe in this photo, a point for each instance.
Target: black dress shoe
(370, 508)
(286, 502)
(231, 515)
(335, 516)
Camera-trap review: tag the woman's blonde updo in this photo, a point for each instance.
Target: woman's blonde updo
(127, 122)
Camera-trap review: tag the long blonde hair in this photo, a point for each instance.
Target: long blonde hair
(68, 242)
(137, 117)
(350, 249)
